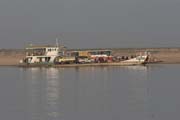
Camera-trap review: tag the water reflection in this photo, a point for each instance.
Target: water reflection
(53, 94)
(91, 93)
(34, 91)
(45, 94)
(87, 93)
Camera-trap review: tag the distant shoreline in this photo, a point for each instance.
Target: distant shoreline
(11, 57)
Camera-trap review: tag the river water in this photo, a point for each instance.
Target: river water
(90, 93)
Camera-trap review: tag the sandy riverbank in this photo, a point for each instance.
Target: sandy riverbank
(166, 55)
(11, 57)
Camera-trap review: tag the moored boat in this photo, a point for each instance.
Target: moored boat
(39, 55)
(55, 56)
(142, 59)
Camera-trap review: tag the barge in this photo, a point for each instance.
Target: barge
(56, 56)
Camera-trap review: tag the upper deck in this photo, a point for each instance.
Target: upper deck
(42, 50)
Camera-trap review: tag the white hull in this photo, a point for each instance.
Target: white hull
(138, 59)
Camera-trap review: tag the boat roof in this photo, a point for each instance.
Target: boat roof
(41, 46)
(100, 50)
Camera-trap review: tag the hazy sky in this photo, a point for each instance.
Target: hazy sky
(90, 23)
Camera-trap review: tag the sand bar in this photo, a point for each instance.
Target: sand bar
(12, 57)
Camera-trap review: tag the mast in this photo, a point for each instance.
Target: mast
(57, 42)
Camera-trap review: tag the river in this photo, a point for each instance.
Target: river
(90, 93)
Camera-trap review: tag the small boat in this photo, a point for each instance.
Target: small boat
(142, 59)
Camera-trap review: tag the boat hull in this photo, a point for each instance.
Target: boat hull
(84, 65)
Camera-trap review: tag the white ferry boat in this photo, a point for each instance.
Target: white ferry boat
(41, 54)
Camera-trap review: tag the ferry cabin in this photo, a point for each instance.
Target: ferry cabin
(41, 54)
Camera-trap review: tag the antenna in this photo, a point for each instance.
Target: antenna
(57, 42)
